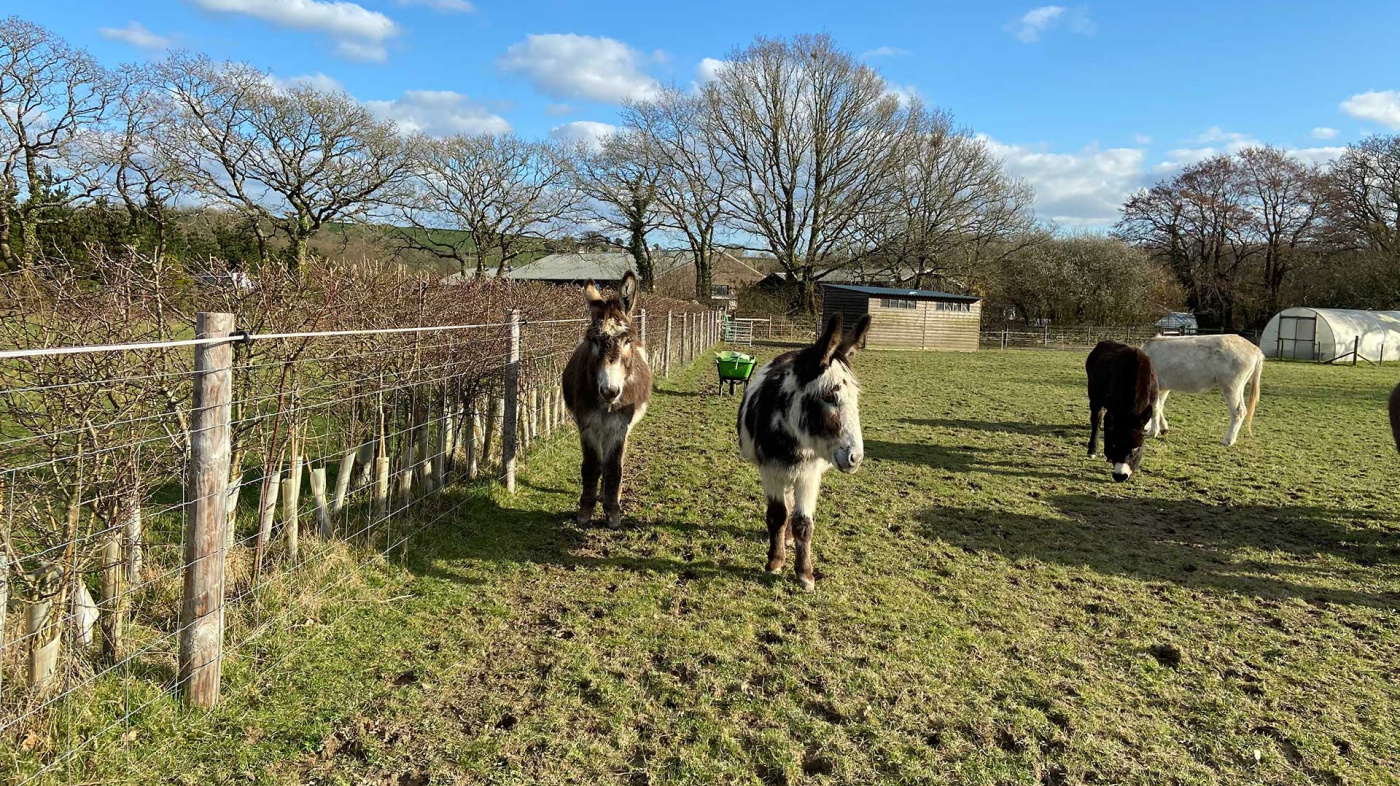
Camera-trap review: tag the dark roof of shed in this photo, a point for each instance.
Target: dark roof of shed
(921, 294)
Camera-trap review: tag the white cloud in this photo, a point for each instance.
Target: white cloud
(1081, 189)
(1213, 141)
(1381, 106)
(884, 51)
(565, 65)
(317, 81)
(588, 132)
(905, 94)
(136, 34)
(1036, 21)
(1317, 155)
(358, 33)
(707, 71)
(1142, 139)
(1030, 26)
(446, 6)
(439, 113)
(1323, 132)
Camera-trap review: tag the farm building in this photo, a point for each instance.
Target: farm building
(1328, 333)
(675, 272)
(908, 318)
(1177, 323)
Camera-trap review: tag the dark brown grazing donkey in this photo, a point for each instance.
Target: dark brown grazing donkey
(1123, 392)
(1395, 415)
(607, 384)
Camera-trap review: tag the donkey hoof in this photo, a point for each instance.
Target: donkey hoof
(615, 522)
(774, 569)
(583, 519)
(807, 583)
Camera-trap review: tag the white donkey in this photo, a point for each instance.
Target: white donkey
(1198, 364)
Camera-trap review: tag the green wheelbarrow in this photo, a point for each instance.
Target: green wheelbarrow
(734, 367)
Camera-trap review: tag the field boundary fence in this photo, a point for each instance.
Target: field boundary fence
(1023, 336)
(165, 504)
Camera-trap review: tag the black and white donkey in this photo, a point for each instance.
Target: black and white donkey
(799, 416)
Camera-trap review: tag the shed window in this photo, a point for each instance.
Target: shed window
(720, 290)
(942, 306)
(888, 302)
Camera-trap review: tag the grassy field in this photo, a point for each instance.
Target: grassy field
(990, 609)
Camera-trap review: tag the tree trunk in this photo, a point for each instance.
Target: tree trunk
(641, 254)
(112, 611)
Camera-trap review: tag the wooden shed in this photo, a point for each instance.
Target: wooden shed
(908, 318)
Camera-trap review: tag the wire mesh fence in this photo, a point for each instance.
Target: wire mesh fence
(165, 503)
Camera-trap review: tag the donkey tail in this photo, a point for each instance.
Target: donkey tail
(1254, 393)
(1395, 415)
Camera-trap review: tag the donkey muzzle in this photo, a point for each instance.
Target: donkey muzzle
(848, 460)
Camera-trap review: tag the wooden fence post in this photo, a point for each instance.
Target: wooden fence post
(667, 372)
(512, 401)
(202, 607)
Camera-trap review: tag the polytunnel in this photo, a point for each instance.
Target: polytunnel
(1325, 334)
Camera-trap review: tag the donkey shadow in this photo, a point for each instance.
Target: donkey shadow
(1004, 427)
(958, 459)
(483, 528)
(1246, 550)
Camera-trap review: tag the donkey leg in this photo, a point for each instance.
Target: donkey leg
(612, 484)
(804, 507)
(1095, 416)
(1234, 399)
(592, 468)
(777, 535)
(777, 489)
(1162, 424)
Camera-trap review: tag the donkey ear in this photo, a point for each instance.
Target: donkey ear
(594, 299)
(856, 340)
(627, 290)
(830, 339)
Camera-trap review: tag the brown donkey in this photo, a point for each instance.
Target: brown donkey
(606, 387)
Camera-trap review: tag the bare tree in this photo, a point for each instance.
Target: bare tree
(504, 192)
(51, 95)
(1281, 194)
(126, 163)
(952, 207)
(618, 183)
(1200, 225)
(805, 131)
(1084, 279)
(1362, 198)
(691, 186)
(293, 159)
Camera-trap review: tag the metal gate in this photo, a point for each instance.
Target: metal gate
(740, 331)
(1297, 338)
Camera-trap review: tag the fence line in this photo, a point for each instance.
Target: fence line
(1074, 336)
(151, 518)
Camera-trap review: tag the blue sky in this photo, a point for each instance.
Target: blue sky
(1087, 102)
